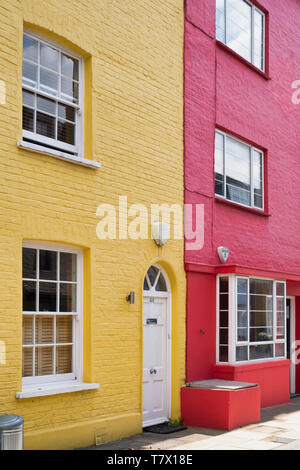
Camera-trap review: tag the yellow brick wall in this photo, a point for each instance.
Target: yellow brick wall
(133, 53)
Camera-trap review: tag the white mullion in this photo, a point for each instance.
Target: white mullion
(37, 300)
(231, 320)
(57, 310)
(224, 165)
(225, 21)
(252, 34)
(251, 177)
(274, 318)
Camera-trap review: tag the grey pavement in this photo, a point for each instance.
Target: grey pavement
(279, 429)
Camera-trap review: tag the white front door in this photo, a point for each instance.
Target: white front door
(155, 357)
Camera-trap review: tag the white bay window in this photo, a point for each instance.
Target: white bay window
(250, 319)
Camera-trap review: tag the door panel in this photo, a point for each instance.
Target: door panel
(155, 372)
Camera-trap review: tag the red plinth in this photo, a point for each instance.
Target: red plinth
(220, 409)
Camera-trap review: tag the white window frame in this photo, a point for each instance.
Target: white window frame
(77, 359)
(252, 149)
(232, 321)
(47, 142)
(253, 9)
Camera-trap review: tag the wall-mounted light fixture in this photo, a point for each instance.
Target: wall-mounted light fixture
(130, 298)
(223, 253)
(160, 233)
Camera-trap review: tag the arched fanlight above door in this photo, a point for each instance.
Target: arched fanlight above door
(155, 280)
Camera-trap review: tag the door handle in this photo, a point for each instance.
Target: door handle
(153, 371)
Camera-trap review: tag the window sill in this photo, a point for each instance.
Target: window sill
(223, 46)
(57, 154)
(55, 389)
(243, 208)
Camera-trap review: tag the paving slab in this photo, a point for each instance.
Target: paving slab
(279, 429)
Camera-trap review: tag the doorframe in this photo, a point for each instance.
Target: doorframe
(292, 339)
(168, 296)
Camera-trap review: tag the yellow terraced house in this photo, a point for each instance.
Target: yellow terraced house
(90, 115)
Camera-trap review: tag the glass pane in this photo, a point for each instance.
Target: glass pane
(28, 119)
(49, 106)
(68, 266)
(238, 172)
(258, 39)
(44, 360)
(69, 90)
(146, 287)
(223, 319)
(243, 319)
(223, 284)
(223, 302)
(223, 336)
(242, 300)
(223, 353)
(242, 334)
(48, 82)
(27, 329)
(239, 15)
(280, 318)
(242, 286)
(45, 125)
(260, 286)
(30, 49)
(279, 350)
(29, 262)
(280, 304)
(69, 67)
(29, 74)
(280, 333)
(66, 112)
(49, 57)
(44, 329)
(261, 318)
(66, 132)
(279, 288)
(47, 296)
(258, 335)
(64, 329)
(63, 359)
(161, 284)
(261, 302)
(242, 353)
(29, 296)
(219, 164)
(262, 351)
(27, 366)
(257, 179)
(67, 298)
(48, 265)
(220, 20)
(28, 98)
(152, 274)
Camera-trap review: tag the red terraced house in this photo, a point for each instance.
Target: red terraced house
(242, 162)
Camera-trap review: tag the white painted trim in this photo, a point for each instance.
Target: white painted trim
(57, 154)
(292, 339)
(253, 9)
(54, 389)
(35, 382)
(232, 321)
(251, 150)
(168, 295)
